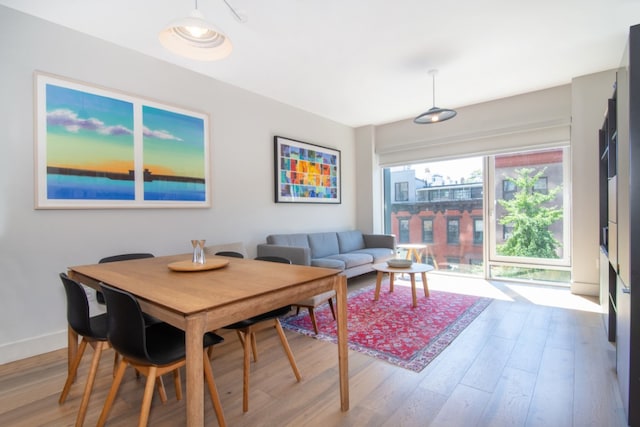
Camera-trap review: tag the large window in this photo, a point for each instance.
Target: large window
(443, 210)
(530, 220)
(523, 230)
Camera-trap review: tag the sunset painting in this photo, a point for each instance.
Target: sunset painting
(116, 151)
(89, 146)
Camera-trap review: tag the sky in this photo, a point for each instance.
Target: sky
(454, 169)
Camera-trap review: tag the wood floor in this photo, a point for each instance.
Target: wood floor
(527, 360)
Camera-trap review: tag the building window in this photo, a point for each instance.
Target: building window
(507, 231)
(540, 185)
(508, 189)
(478, 231)
(402, 191)
(453, 230)
(427, 230)
(403, 224)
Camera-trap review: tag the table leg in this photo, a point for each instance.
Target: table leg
(343, 350)
(194, 360)
(413, 289)
(378, 285)
(425, 285)
(392, 277)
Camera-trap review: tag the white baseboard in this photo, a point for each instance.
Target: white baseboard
(589, 289)
(33, 346)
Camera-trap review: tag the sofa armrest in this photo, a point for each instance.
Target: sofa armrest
(380, 241)
(296, 254)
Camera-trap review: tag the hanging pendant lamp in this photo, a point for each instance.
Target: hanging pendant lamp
(434, 114)
(195, 38)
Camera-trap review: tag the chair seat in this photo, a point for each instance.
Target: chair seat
(316, 300)
(165, 343)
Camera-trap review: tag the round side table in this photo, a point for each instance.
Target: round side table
(383, 268)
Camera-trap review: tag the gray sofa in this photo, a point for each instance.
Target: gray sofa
(349, 251)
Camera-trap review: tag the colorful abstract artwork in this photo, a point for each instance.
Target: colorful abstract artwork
(97, 148)
(306, 173)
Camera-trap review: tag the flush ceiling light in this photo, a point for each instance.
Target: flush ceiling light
(434, 114)
(195, 38)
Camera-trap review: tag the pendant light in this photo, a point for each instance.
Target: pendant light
(195, 38)
(434, 114)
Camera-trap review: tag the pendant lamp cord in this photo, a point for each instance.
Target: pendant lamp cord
(238, 17)
(433, 80)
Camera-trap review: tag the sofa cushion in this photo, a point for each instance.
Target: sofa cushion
(323, 244)
(378, 254)
(299, 240)
(350, 241)
(328, 263)
(353, 259)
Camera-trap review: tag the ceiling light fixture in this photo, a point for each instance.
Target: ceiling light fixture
(195, 38)
(434, 114)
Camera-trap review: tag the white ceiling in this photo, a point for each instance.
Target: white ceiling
(362, 62)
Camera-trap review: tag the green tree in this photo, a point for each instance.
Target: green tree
(530, 218)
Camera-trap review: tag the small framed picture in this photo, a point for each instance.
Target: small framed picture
(306, 173)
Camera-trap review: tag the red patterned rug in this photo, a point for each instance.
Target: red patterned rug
(389, 329)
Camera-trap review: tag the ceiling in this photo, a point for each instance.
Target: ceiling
(361, 62)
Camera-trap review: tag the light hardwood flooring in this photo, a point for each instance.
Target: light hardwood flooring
(537, 356)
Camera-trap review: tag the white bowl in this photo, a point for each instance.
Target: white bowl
(399, 263)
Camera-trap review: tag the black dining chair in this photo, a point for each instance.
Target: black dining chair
(246, 330)
(93, 331)
(121, 257)
(153, 350)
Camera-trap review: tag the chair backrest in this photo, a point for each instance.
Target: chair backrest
(273, 259)
(126, 330)
(230, 254)
(125, 257)
(77, 306)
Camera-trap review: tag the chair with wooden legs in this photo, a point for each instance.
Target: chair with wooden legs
(93, 331)
(312, 303)
(246, 330)
(152, 350)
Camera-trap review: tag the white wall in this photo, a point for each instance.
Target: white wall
(35, 245)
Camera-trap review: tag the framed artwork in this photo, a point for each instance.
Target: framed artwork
(99, 148)
(306, 173)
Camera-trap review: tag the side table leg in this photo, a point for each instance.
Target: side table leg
(413, 289)
(391, 278)
(378, 284)
(425, 285)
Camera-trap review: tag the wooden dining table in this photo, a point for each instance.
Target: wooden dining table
(206, 300)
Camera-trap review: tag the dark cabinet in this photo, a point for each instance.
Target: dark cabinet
(619, 185)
